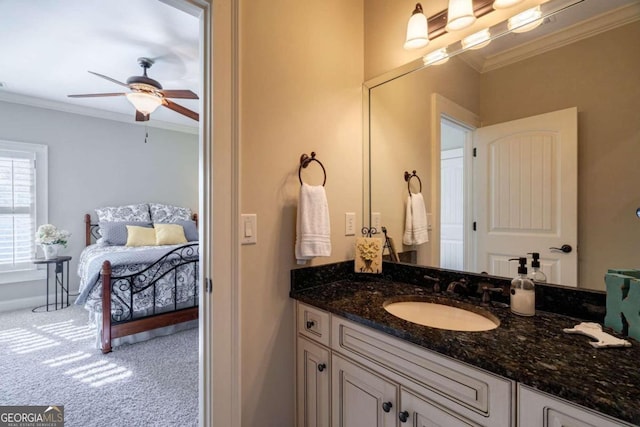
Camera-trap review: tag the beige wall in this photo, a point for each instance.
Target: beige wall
(301, 70)
(598, 75)
(401, 141)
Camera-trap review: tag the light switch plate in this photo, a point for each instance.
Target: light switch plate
(349, 224)
(376, 221)
(248, 229)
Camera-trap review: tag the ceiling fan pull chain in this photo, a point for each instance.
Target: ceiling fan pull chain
(146, 133)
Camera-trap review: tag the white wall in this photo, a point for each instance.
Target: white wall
(95, 162)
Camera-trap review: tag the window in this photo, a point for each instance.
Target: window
(23, 203)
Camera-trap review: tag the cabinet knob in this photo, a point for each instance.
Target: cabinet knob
(322, 367)
(404, 416)
(310, 324)
(386, 406)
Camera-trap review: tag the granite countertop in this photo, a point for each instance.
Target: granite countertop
(531, 350)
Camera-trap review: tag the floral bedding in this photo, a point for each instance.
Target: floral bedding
(128, 260)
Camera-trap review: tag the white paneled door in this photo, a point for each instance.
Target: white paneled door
(525, 191)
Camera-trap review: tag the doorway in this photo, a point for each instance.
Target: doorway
(454, 143)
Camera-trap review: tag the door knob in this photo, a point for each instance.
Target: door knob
(564, 248)
(404, 416)
(386, 406)
(322, 367)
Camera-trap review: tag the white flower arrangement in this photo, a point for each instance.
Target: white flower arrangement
(48, 234)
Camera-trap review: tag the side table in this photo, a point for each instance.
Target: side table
(61, 280)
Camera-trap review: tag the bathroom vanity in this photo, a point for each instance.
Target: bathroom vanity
(358, 365)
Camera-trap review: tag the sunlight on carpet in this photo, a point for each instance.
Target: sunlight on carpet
(96, 374)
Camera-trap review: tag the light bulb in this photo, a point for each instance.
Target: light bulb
(436, 57)
(525, 21)
(417, 30)
(477, 40)
(460, 15)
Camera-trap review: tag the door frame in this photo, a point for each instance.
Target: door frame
(219, 396)
(443, 107)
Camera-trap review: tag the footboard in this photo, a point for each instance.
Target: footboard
(175, 274)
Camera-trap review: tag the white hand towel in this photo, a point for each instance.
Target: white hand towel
(415, 229)
(313, 231)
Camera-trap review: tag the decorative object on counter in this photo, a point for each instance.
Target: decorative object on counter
(536, 274)
(523, 293)
(416, 224)
(388, 244)
(594, 330)
(368, 255)
(623, 300)
(313, 229)
(51, 240)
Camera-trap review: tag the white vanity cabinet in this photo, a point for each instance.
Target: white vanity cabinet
(433, 389)
(379, 381)
(537, 409)
(313, 368)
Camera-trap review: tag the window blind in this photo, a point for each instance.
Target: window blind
(17, 209)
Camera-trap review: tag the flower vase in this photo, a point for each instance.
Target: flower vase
(50, 251)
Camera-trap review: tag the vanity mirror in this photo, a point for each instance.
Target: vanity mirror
(424, 118)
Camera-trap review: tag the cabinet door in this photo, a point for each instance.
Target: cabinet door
(361, 398)
(416, 411)
(536, 409)
(313, 384)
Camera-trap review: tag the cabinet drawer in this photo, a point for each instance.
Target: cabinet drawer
(313, 323)
(540, 409)
(464, 389)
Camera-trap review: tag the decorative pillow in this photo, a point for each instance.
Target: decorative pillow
(168, 214)
(169, 234)
(128, 213)
(190, 229)
(140, 236)
(115, 233)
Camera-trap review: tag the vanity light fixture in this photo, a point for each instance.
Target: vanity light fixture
(504, 4)
(525, 21)
(436, 57)
(477, 40)
(417, 29)
(460, 15)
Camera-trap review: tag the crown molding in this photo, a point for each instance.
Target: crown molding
(48, 104)
(582, 30)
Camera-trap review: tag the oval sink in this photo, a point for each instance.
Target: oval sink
(441, 316)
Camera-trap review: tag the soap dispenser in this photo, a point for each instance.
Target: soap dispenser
(523, 293)
(536, 274)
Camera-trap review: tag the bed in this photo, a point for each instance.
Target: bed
(148, 290)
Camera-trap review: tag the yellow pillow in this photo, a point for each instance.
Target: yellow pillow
(140, 236)
(169, 234)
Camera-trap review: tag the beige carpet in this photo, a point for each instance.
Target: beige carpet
(49, 359)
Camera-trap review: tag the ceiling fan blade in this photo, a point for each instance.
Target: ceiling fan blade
(180, 109)
(141, 117)
(110, 79)
(92, 95)
(179, 93)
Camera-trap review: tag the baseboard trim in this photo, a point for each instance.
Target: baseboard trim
(20, 303)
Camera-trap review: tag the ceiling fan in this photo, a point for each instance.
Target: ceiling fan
(147, 94)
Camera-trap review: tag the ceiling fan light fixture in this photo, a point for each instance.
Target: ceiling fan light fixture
(146, 103)
(460, 15)
(417, 30)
